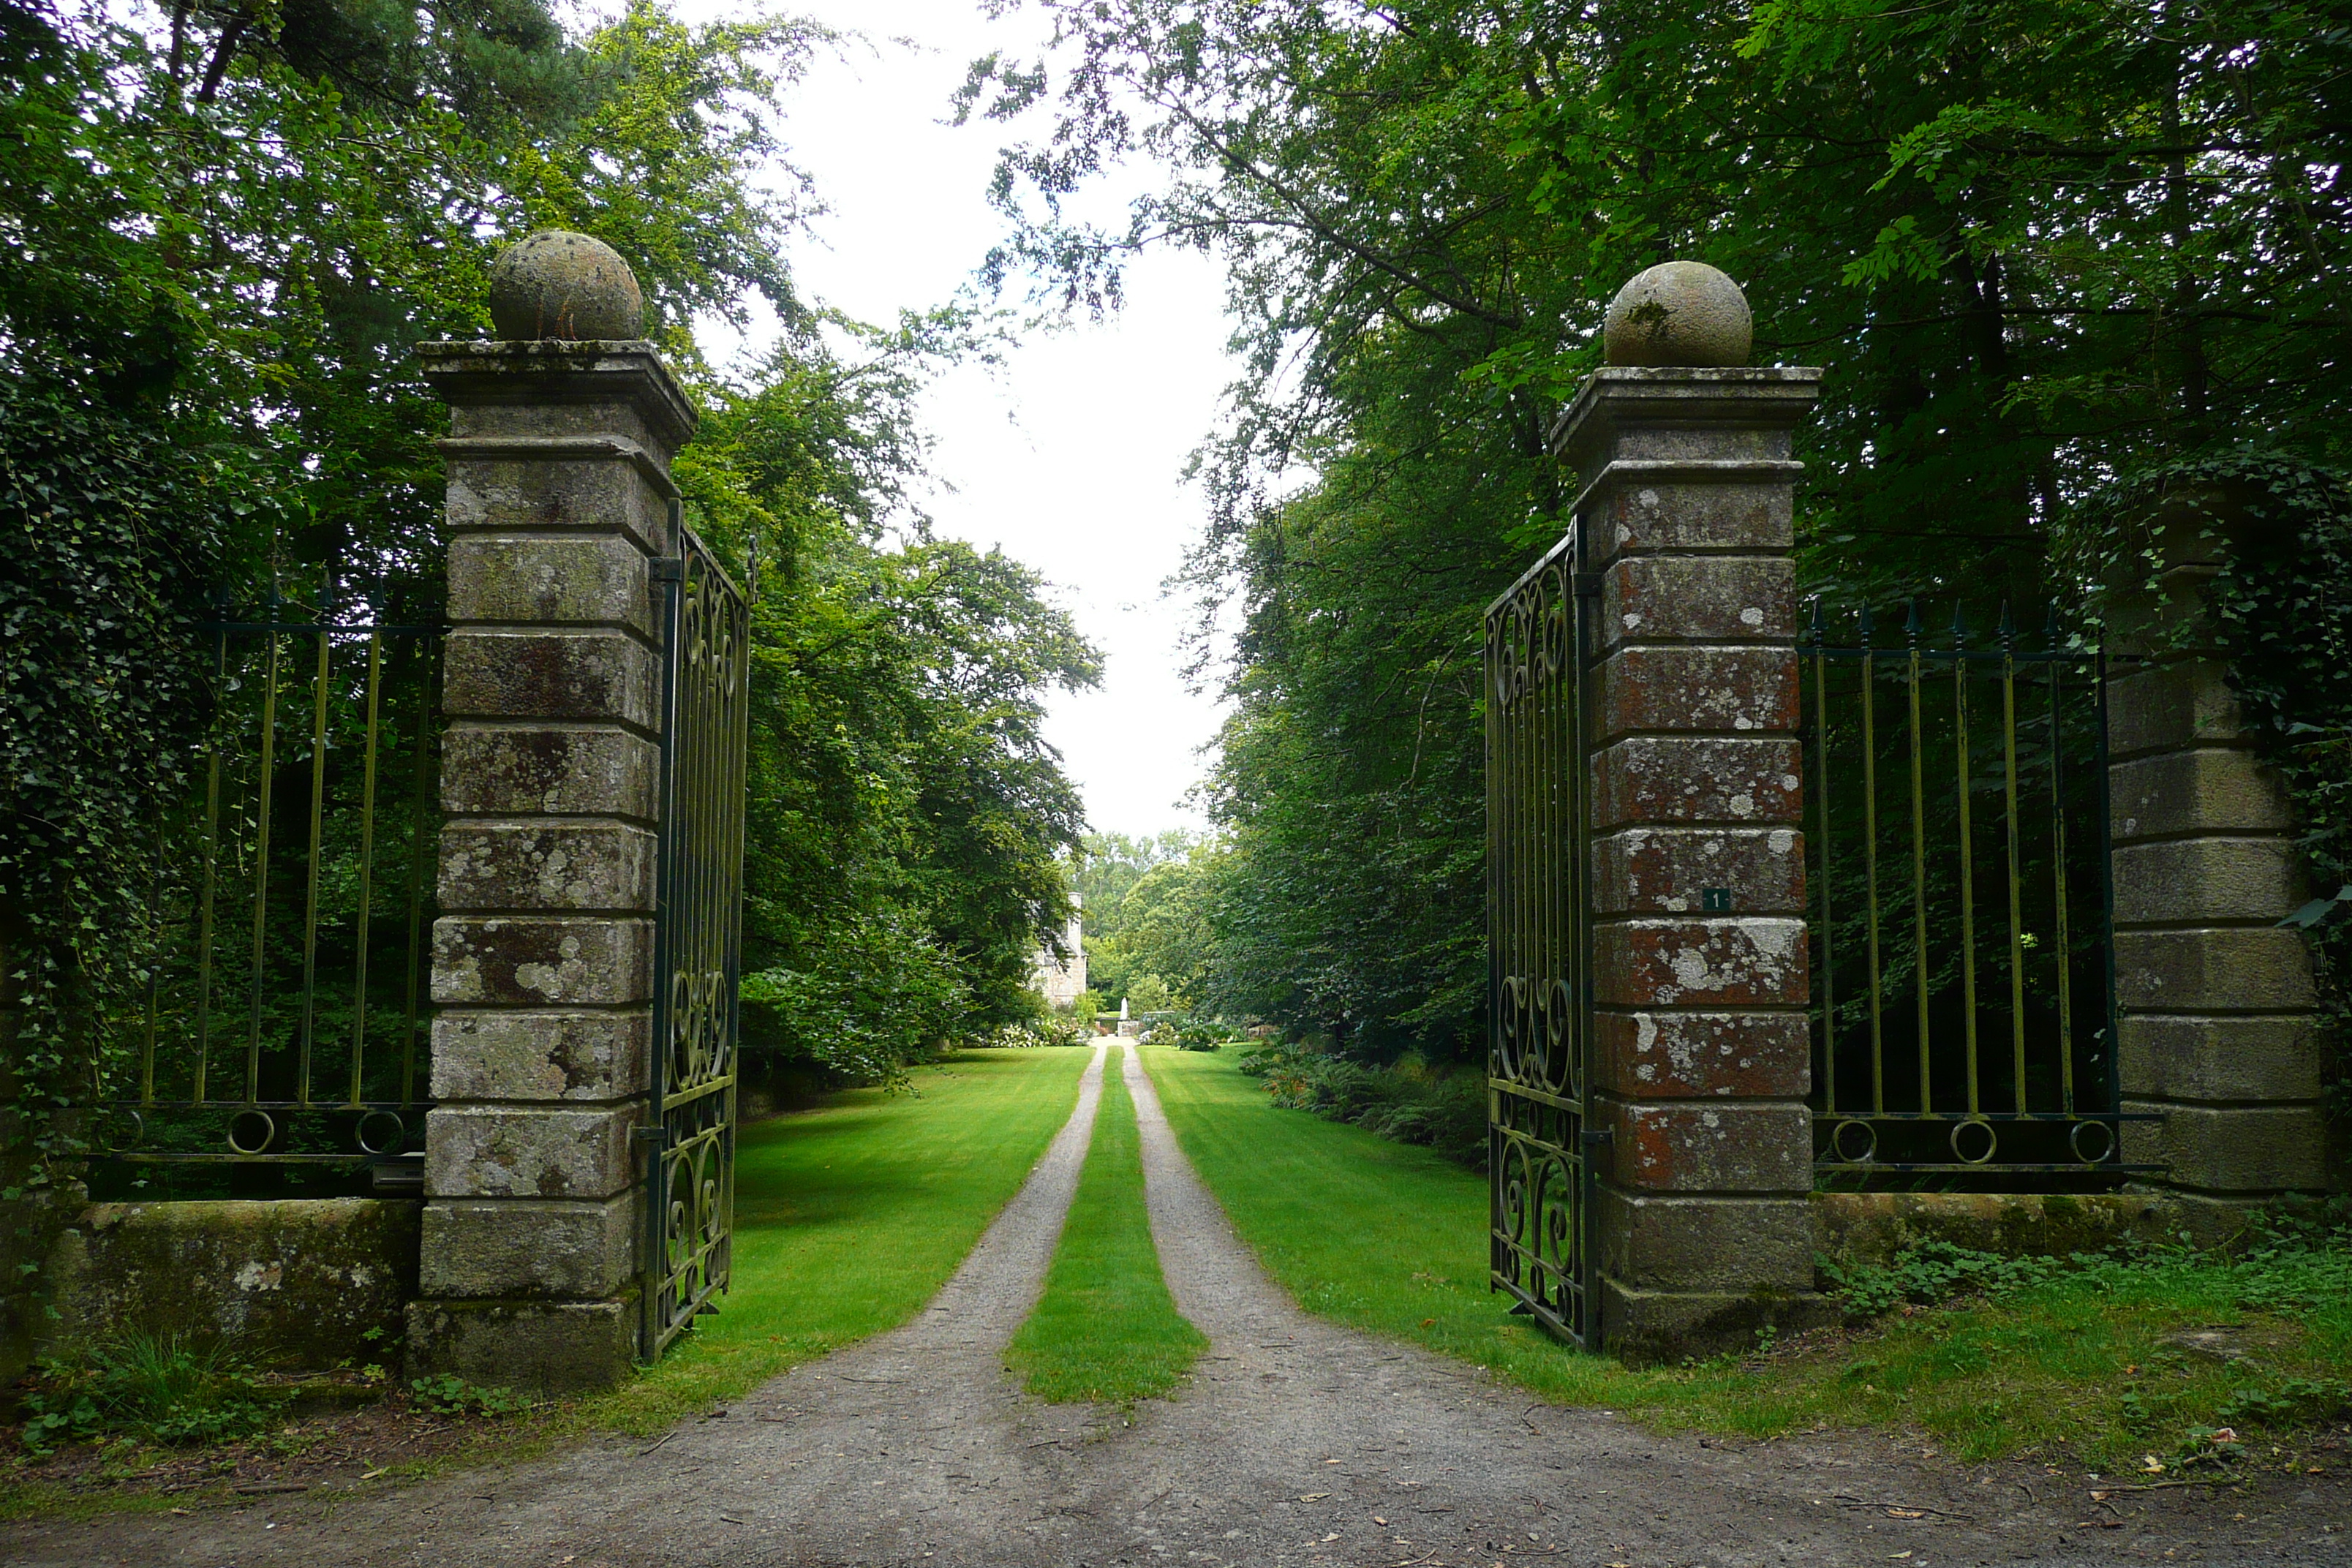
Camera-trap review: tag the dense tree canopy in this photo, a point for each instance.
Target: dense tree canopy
(224, 226)
(2037, 247)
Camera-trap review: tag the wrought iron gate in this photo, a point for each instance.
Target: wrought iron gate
(1538, 960)
(690, 1170)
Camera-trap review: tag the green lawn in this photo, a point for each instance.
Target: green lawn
(1393, 1239)
(849, 1218)
(1105, 1330)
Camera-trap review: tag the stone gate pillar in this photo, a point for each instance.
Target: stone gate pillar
(2216, 999)
(559, 498)
(1701, 1055)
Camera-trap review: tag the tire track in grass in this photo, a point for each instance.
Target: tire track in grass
(1106, 1330)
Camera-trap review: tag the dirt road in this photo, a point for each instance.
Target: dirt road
(1296, 1443)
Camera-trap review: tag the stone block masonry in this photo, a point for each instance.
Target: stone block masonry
(2215, 999)
(559, 499)
(1700, 1058)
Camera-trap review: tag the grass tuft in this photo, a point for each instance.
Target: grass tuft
(1105, 1330)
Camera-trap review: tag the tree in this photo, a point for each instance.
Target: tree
(2034, 246)
(908, 823)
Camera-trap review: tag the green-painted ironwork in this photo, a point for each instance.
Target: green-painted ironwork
(1945, 1102)
(1539, 957)
(698, 952)
(269, 918)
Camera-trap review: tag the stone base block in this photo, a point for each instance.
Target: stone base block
(295, 1282)
(2203, 1220)
(2236, 1151)
(1730, 1246)
(1871, 1228)
(1734, 961)
(1694, 686)
(1672, 871)
(567, 770)
(1649, 1328)
(536, 1348)
(540, 1055)
(2185, 703)
(506, 1247)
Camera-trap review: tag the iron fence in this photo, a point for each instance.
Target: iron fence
(282, 1016)
(1961, 916)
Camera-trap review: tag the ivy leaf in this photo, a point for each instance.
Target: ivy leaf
(2318, 910)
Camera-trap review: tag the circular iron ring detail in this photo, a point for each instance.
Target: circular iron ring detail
(1991, 1143)
(2106, 1144)
(241, 1127)
(378, 1145)
(1866, 1154)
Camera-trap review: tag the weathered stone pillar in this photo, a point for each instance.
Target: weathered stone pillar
(1701, 1058)
(2216, 998)
(559, 498)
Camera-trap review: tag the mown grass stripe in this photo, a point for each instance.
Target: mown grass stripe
(850, 1216)
(1106, 1330)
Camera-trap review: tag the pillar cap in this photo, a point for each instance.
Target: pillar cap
(1678, 313)
(478, 375)
(559, 284)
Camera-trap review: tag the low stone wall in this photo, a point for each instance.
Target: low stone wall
(293, 1283)
(1871, 1228)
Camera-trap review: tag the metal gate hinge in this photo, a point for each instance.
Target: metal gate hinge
(1587, 584)
(667, 568)
(1591, 1135)
(656, 1136)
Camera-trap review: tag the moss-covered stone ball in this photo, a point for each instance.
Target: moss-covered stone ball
(558, 284)
(1678, 313)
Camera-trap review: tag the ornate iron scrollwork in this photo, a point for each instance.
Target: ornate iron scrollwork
(1536, 902)
(690, 1175)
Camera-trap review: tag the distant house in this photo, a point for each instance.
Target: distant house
(1063, 982)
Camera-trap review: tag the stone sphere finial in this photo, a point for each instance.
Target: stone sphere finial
(1678, 313)
(558, 284)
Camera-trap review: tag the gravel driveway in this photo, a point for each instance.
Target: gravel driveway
(1296, 1443)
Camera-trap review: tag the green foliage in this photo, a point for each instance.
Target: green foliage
(2266, 538)
(158, 1388)
(113, 529)
(225, 233)
(1189, 1033)
(1147, 933)
(2032, 245)
(449, 1395)
(908, 821)
(1105, 1330)
(1048, 1030)
(1931, 1273)
(1439, 1108)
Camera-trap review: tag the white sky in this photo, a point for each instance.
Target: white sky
(1070, 455)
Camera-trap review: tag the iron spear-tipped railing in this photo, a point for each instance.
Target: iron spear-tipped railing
(284, 1009)
(1964, 1018)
